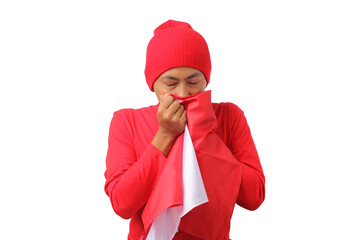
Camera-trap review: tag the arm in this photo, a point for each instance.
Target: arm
(129, 180)
(252, 188)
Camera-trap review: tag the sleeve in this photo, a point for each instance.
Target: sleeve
(129, 180)
(252, 189)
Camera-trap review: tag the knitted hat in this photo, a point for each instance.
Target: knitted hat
(176, 44)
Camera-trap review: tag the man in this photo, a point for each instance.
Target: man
(144, 177)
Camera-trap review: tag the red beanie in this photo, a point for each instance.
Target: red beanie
(176, 44)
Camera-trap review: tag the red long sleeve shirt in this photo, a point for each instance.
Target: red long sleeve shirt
(133, 163)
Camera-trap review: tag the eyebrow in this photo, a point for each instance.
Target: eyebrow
(189, 77)
(197, 74)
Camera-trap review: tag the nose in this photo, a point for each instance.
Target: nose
(183, 90)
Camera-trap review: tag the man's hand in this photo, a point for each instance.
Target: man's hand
(171, 116)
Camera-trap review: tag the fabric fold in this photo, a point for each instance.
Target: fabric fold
(165, 225)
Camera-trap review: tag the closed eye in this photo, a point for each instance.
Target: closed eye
(193, 83)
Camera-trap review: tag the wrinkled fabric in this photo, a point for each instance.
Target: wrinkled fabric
(166, 224)
(220, 173)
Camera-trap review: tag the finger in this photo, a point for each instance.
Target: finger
(179, 112)
(163, 96)
(165, 102)
(183, 116)
(174, 107)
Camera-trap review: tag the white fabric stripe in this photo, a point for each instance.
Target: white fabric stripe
(166, 224)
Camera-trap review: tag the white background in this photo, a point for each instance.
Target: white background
(66, 66)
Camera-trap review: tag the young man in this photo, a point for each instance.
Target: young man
(146, 160)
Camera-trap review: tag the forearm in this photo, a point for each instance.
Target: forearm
(130, 190)
(163, 142)
(252, 188)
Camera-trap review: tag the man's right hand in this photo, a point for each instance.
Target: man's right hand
(171, 116)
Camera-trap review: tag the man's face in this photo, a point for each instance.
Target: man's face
(181, 81)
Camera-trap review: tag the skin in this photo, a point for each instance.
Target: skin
(171, 115)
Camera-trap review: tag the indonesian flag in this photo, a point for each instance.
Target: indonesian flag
(192, 189)
(165, 225)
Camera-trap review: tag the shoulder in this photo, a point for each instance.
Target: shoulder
(227, 109)
(126, 121)
(136, 120)
(228, 115)
(230, 119)
(131, 113)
